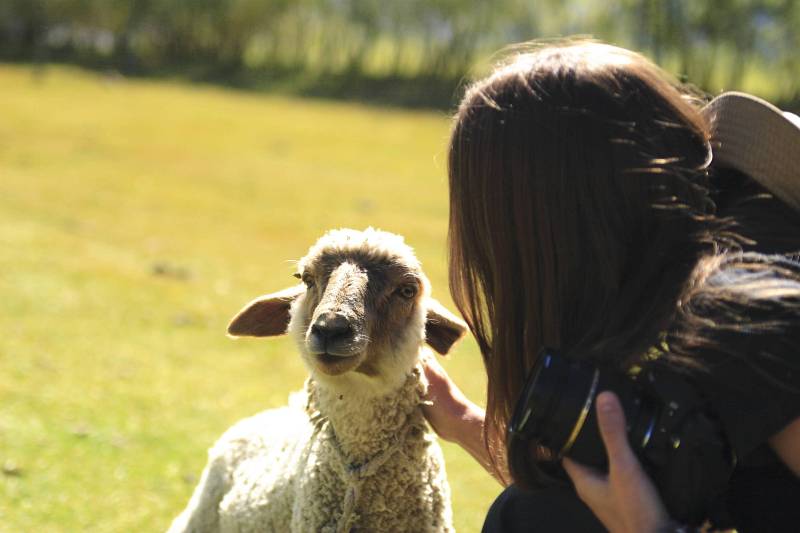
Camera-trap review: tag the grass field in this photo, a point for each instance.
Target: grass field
(135, 219)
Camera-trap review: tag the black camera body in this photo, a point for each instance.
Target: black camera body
(679, 443)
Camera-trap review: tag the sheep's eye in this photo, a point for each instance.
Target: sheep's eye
(308, 280)
(407, 291)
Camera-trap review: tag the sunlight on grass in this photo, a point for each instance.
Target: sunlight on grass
(135, 219)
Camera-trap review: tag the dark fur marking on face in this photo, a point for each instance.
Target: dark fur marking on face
(386, 312)
(360, 308)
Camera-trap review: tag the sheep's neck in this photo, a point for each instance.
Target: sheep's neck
(365, 427)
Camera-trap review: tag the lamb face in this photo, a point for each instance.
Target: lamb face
(361, 313)
(363, 310)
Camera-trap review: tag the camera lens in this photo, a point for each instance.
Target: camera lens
(668, 428)
(556, 408)
(641, 416)
(554, 401)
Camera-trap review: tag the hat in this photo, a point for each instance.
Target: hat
(756, 138)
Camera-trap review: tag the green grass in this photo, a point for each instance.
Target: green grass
(135, 219)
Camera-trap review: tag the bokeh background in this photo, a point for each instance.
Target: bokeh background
(163, 161)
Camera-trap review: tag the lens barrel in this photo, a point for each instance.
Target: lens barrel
(668, 427)
(556, 408)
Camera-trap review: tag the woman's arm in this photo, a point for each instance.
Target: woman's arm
(455, 417)
(786, 444)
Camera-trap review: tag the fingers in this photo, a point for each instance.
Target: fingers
(588, 482)
(439, 383)
(613, 431)
(591, 484)
(625, 499)
(432, 366)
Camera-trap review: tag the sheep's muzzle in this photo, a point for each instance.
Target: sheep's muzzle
(334, 337)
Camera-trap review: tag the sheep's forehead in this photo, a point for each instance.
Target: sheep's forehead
(371, 249)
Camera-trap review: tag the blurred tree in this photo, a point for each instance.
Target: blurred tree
(23, 27)
(714, 43)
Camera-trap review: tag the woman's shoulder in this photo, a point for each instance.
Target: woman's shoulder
(742, 294)
(744, 267)
(735, 268)
(739, 322)
(740, 304)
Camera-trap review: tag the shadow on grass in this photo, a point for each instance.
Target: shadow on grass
(425, 92)
(416, 92)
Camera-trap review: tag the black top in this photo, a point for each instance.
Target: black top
(752, 386)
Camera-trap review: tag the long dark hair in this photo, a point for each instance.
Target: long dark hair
(764, 223)
(579, 207)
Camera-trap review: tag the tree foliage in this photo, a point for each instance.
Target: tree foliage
(714, 43)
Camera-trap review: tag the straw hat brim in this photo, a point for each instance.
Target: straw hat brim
(752, 136)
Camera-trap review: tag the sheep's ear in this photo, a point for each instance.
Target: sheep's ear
(442, 328)
(266, 316)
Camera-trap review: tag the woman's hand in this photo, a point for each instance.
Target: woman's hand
(446, 406)
(786, 444)
(454, 417)
(625, 500)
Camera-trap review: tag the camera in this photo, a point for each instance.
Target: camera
(676, 438)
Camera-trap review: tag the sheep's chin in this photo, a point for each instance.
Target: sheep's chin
(333, 365)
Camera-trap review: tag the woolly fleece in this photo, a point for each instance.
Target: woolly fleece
(284, 470)
(344, 455)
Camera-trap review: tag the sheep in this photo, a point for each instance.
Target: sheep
(352, 450)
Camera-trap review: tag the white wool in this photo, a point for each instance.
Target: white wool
(371, 242)
(349, 451)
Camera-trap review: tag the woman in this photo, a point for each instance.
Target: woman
(581, 220)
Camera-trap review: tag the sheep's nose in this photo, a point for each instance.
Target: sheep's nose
(331, 327)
